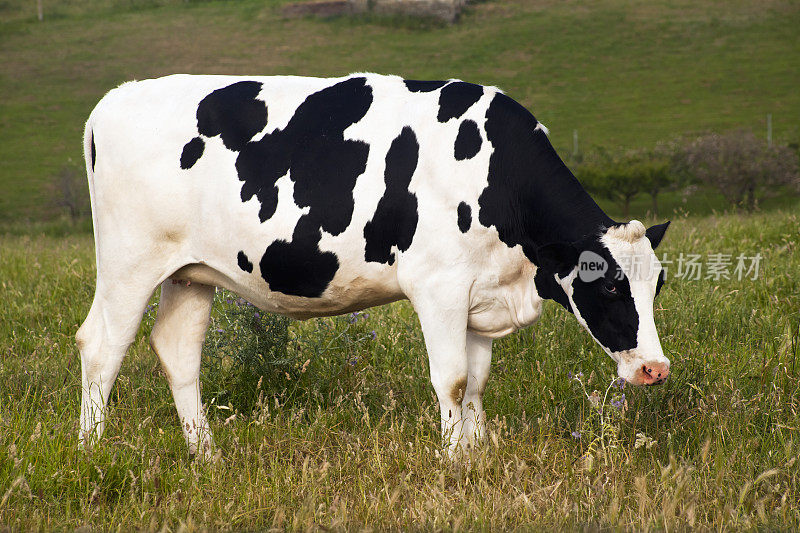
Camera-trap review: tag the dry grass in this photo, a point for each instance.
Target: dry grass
(350, 439)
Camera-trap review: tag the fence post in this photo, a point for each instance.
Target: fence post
(769, 129)
(574, 144)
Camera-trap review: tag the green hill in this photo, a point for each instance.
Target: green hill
(621, 72)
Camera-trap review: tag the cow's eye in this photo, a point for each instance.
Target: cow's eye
(609, 289)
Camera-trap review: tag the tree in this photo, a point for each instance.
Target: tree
(621, 176)
(741, 166)
(656, 171)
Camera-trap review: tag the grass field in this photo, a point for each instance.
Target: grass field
(350, 439)
(342, 432)
(623, 73)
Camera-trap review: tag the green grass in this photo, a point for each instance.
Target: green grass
(623, 73)
(351, 440)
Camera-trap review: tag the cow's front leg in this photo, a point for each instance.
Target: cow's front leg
(479, 360)
(445, 329)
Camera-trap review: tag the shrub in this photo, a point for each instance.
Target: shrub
(69, 192)
(741, 166)
(244, 347)
(250, 355)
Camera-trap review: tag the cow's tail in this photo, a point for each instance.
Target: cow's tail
(90, 157)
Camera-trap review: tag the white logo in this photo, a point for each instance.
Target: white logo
(591, 266)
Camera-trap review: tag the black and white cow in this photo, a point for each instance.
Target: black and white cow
(312, 197)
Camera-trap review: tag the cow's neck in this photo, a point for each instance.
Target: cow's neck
(572, 216)
(562, 209)
(566, 214)
(532, 198)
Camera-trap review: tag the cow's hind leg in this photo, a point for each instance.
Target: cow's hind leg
(177, 338)
(103, 339)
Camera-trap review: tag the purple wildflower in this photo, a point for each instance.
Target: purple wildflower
(220, 331)
(569, 374)
(373, 335)
(620, 383)
(365, 316)
(353, 317)
(576, 435)
(257, 315)
(619, 402)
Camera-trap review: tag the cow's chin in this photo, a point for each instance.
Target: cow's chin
(641, 382)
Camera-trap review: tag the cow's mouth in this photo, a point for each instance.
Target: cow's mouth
(651, 374)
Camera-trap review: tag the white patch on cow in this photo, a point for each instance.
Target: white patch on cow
(437, 197)
(542, 127)
(284, 94)
(281, 225)
(505, 300)
(631, 232)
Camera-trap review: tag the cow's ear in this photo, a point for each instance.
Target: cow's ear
(656, 233)
(558, 257)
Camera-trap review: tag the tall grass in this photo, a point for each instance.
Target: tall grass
(323, 424)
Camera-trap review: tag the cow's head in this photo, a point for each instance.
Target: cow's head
(610, 281)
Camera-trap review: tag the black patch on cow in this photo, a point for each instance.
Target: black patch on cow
(605, 304)
(395, 219)
(94, 152)
(244, 262)
(324, 167)
(456, 98)
(312, 149)
(192, 151)
(298, 267)
(531, 197)
(612, 319)
(468, 141)
(464, 217)
(548, 288)
(655, 233)
(233, 113)
(425, 86)
(660, 282)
